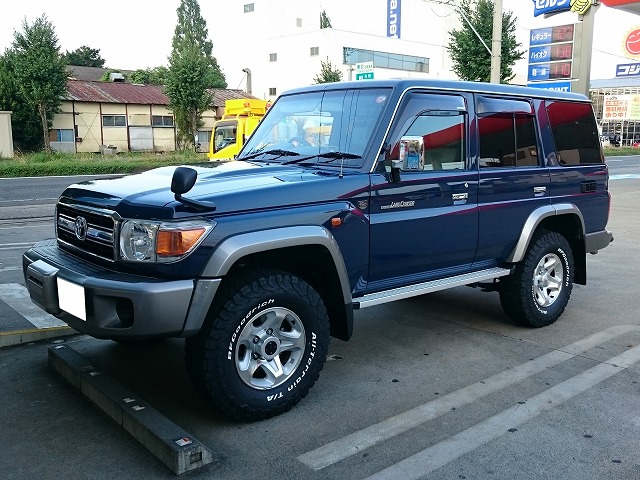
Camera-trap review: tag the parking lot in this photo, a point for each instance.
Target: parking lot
(442, 386)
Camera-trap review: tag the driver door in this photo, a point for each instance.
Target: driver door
(424, 225)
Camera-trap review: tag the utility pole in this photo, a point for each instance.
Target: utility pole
(496, 42)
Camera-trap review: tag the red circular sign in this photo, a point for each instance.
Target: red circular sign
(632, 42)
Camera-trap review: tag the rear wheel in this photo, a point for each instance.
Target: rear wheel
(262, 348)
(538, 290)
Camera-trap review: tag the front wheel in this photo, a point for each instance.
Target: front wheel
(262, 348)
(538, 290)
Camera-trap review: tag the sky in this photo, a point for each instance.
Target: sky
(132, 34)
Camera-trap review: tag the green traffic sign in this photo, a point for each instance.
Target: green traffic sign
(364, 76)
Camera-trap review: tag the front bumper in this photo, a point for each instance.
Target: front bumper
(116, 305)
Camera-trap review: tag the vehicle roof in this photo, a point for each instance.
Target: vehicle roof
(453, 85)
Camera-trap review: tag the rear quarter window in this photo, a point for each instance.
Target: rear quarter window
(575, 133)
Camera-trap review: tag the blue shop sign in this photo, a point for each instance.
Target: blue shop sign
(628, 70)
(538, 72)
(540, 36)
(539, 54)
(557, 86)
(540, 7)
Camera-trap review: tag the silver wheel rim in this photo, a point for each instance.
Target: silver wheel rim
(547, 280)
(270, 348)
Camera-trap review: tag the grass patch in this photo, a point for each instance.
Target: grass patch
(44, 165)
(620, 151)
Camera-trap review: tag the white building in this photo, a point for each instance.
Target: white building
(282, 44)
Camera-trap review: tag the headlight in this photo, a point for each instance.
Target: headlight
(149, 241)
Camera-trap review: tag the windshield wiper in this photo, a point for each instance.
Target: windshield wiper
(333, 156)
(298, 160)
(276, 151)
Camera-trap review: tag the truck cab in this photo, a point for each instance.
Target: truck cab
(240, 119)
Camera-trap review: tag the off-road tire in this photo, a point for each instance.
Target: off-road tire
(538, 290)
(237, 337)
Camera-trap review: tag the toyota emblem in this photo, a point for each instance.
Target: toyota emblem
(80, 228)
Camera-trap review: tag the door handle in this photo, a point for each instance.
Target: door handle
(459, 196)
(539, 189)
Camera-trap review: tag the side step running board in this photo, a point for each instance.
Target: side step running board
(427, 287)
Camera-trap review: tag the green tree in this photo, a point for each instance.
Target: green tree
(192, 69)
(327, 73)
(27, 133)
(84, 57)
(150, 76)
(471, 60)
(324, 20)
(39, 71)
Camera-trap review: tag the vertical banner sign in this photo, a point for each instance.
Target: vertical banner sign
(393, 18)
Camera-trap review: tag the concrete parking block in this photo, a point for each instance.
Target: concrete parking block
(172, 445)
(18, 337)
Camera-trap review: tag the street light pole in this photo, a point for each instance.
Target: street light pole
(496, 42)
(249, 87)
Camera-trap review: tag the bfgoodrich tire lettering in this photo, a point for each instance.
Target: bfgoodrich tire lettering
(262, 347)
(538, 291)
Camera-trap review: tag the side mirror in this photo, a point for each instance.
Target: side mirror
(412, 152)
(183, 180)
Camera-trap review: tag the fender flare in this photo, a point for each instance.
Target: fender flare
(233, 248)
(534, 219)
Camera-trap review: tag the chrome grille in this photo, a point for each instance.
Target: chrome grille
(86, 229)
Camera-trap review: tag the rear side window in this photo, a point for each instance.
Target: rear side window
(575, 133)
(507, 133)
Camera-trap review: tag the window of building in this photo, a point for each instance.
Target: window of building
(298, 22)
(248, 7)
(393, 61)
(575, 133)
(114, 120)
(162, 120)
(273, 57)
(272, 92)
(314, 51)
(61, 135)
(507, 133)
(204, 139)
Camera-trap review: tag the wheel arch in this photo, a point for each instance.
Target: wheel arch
(309, 252)
(566, 219)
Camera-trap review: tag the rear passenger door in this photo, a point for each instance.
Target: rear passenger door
(514, 180)
(425, 224)
(578, 173)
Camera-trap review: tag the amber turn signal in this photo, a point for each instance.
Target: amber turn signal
(173, 243)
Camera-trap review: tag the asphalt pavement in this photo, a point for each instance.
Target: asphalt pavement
(438, 387)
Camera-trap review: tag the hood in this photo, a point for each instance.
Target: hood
(231, 186)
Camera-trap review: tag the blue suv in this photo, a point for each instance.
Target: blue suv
(347, 195)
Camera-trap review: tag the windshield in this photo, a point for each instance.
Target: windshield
(224, 134)
(334, 127)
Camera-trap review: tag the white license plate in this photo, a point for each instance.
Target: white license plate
(71, 298)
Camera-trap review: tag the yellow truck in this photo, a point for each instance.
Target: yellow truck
(240, 119)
